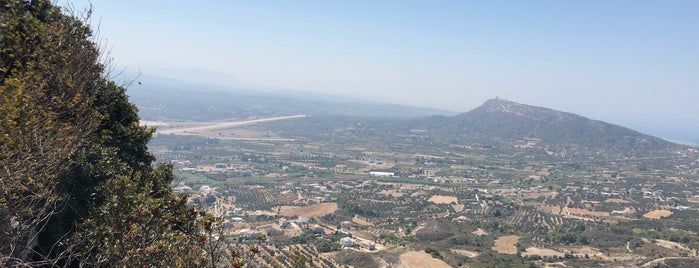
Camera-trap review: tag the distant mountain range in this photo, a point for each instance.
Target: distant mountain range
(162, 99)
(496, 122)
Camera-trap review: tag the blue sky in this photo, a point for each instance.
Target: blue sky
(632, 63)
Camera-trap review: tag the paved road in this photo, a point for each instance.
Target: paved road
(223, 125)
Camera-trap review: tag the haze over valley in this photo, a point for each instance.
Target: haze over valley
(501, 184)
(329, 134)
(162, 98)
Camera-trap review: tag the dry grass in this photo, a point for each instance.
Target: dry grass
(657, 214)
(543, 252)
(418, 259)
(671, 245)
(309, 211)
(443, 199)
(506, 244)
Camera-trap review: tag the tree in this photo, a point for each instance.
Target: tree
(77, 184)
(48, 78)
(297, 259)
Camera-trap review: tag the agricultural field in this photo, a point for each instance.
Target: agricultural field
(506, 244)
(417, 259)
(313, 199)
(441, 199)
(657, 214)
(308, 211)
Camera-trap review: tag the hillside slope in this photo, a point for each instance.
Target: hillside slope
(499, 120)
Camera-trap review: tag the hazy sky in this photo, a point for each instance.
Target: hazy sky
(632, 63)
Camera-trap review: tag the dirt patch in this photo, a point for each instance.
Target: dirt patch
(626, 211)
(416, 259)
(309, 211)
(470, 254)
(506, 244)
(480, 231)
(458, 208)
(657, 214)
(443, 199)
(543, 252)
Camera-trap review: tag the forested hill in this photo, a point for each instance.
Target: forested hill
(497, 124)
(507, 121)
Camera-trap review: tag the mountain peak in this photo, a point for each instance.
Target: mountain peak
(501, 106)
(511, 121)
(498, 105)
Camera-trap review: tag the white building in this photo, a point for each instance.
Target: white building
(205, 189)
(347, 241)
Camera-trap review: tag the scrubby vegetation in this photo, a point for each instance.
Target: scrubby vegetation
(77, 181)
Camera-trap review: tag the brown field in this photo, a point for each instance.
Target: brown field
(506, 244)
(657, 214)
(443, 199)
(417, 259)
(617, 200)
(585, 212)
(309, 211)
(543, 252)
(393, 193)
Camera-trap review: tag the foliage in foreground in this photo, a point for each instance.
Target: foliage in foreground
(77, 186)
